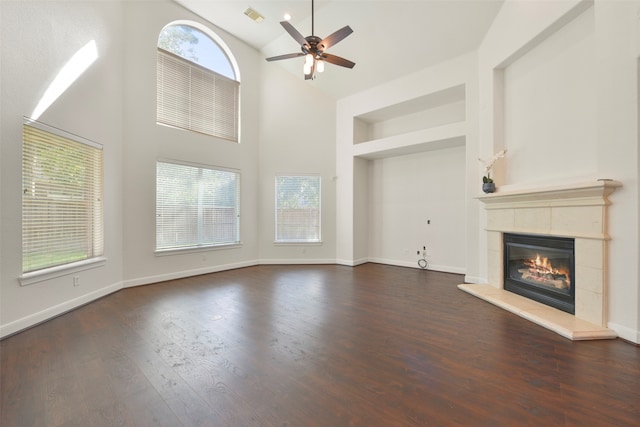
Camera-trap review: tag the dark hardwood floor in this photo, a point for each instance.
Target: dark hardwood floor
(330, 345)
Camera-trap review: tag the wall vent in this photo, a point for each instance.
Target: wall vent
(251, 13)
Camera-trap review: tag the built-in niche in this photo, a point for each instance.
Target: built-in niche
(545, 103)
(432, 110)
(401, 150)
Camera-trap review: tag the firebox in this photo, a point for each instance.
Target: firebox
(541, 268)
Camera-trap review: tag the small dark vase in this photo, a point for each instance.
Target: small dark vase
(489, 187)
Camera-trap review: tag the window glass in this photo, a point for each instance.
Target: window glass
(297, 208)
(195, 46)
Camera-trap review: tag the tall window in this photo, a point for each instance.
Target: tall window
(297, 208)
(196, 206)
(62, 190)
(197, 88)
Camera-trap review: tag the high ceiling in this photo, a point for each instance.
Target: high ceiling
(390, 39)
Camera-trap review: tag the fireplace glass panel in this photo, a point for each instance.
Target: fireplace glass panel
(541, 268)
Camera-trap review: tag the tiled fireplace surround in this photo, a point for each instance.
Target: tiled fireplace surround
(578, 211)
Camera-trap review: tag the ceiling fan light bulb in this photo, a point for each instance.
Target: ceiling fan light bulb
(320, 66)
(307, 68)
(308, 60)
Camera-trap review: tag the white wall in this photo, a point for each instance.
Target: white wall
(550, 106)
(374, 221)
(297, 136)
(146, 142)
(569, 72)
(618, 50)
(407, 191)
(38, 38)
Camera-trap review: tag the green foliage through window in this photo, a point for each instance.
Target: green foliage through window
(298, 208)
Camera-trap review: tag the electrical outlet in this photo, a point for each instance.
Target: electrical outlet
(76, 281)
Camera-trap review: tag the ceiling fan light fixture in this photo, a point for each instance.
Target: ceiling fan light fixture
(307, 69)
(320, 65)
(308, 60)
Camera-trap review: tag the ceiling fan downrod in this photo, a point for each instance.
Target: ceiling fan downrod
(313, 33)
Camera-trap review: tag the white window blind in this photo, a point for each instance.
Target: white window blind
(196, 206)
(298, 208)
(195, 98)
(62, 191)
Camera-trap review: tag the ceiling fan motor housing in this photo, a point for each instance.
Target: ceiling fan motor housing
(313, 45)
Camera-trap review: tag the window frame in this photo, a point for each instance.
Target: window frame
(198, 247)
(94, 210)
(280, 241)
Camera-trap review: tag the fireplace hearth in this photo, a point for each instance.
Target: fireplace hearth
(541, 268)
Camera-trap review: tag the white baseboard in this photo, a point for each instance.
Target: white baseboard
(186, 273)
(351, 263)
(296, 261)
(447, 269)
(625, 333)
(51, 312)
(414, 264)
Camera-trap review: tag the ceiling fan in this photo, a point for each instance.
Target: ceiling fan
(313, 48)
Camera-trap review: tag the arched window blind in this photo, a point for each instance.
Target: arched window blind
(196, 88)
(62, 193)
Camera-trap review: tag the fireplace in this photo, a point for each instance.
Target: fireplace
(541, 268)
(576, 212)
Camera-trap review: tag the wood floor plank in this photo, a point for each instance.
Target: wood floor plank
(307, 345)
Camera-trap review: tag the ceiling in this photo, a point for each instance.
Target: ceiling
(391, 38)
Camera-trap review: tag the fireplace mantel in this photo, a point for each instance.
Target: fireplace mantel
(576, 210)
(590, 193)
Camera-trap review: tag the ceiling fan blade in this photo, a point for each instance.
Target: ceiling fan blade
(294, 33)
(336, 60)
(287, 56)
(334, 38)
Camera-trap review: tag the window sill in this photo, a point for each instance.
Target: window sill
(60, 270)
(190, 249)
(297, 243)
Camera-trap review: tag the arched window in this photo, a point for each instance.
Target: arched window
(197, 81)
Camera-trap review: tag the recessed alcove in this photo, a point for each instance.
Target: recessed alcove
(432, 110)
(398, 151)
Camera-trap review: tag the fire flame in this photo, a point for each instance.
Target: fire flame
(540, 267)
